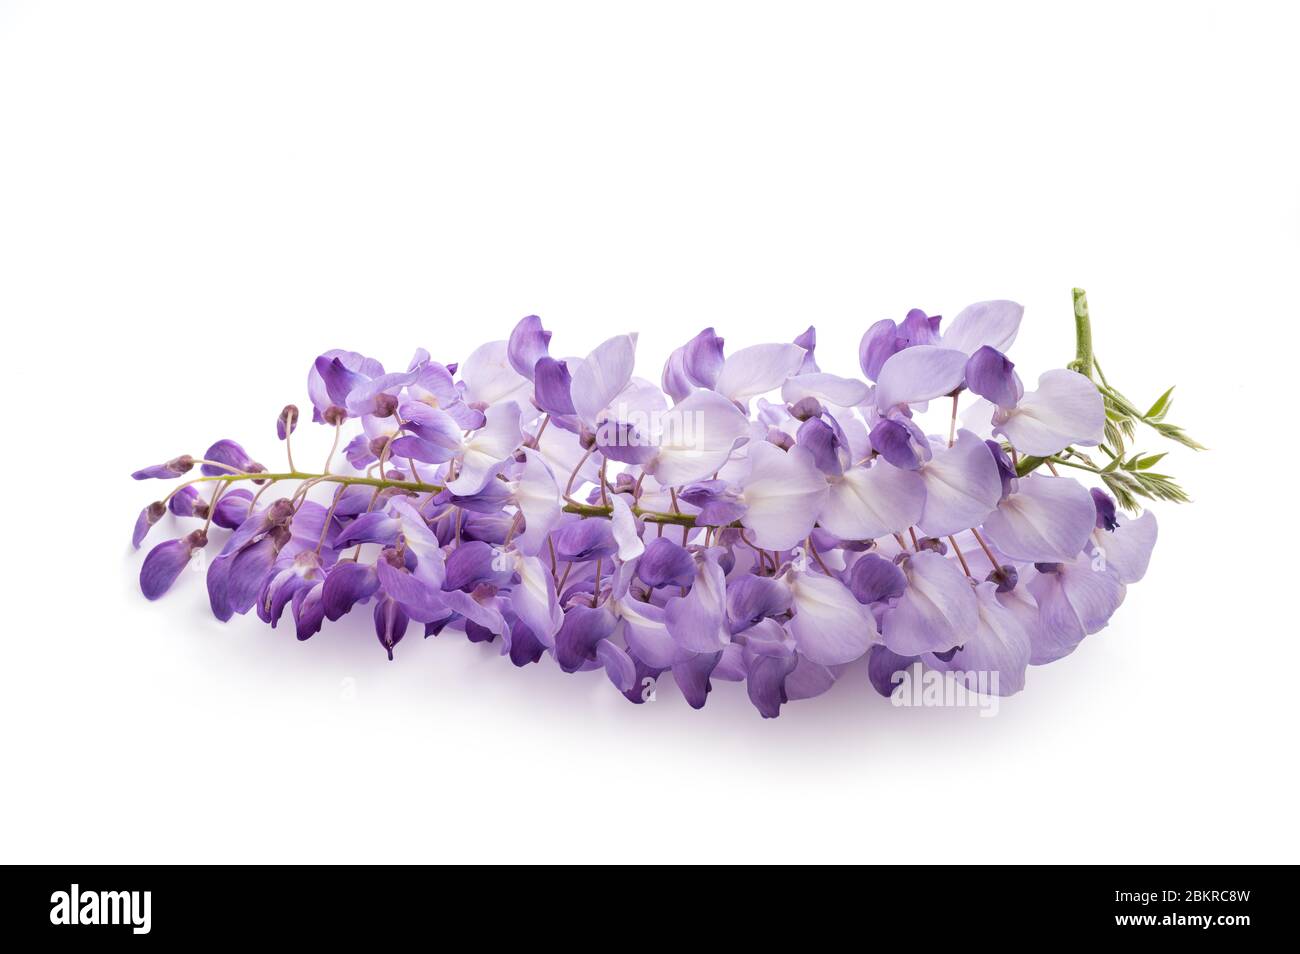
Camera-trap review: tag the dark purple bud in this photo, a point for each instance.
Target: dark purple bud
(173, 468)
(893, 441)
(378, 445)
(1107, 518)
(806, 408)
(623, 443)
(665, 563)
(780, 438)
(233, 456)
(879, 344)
(819, 439)
(585, 540)
(287, 423)
(990, 374)
(874, 579)
(643, 683)
(528, 344)
(525, 647)
(373, 527)
(166, 561)
(335, 415)
(148, 517)
(182, 503)
(358, 452)
(1047, 567)
(717, 502)
(692, 677)
(471, 564)
(808, 341)
(385, 404)
(883, 665)
(702, 359)
(918, 328)
(232, 508)
(1006, 469)
(752, 598)
(488, 500)
(551, 384)
(390, 624)
(279, 513)
(308, 611)
(765, 681)
(346, 585)
(248, 569)
(934, 544)
(582, 629)
(339, 381)
(1006, 577)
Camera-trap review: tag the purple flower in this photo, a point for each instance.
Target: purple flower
(1066, 409)
(708, 531)
(166, 561)
(229, 458)
(172, 468)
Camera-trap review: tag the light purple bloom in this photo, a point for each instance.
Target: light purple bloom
(1066, 409)
(936, 612)
(1046, 520)
(567, 512)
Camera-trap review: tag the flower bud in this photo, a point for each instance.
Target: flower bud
(280, 513)
(932, 543)
(1006, 577)
(334, 415)
(780, 438)
(806, 408)
(287, 422)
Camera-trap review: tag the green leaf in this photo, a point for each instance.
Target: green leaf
(1119, 487)
(1161, 406)
(1175, 433)
(1147, 462)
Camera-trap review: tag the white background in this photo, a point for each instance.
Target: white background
(196, 199)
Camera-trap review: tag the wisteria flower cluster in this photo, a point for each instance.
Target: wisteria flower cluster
(752, 519)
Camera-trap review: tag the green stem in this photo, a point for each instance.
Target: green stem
(1029, 464)
(1082, 335)
(1083, 363)
(581, 509)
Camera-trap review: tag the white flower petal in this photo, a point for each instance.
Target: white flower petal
(829, 626)
(602, 375)
(1066, 409)
(992, 323)
(537, 494)
(827, 388)
(870, 502)
(919, 374)
(962, 486)
(758, 369)
(783, 495)
(489, 378)
(1047, 520)
(695, 438)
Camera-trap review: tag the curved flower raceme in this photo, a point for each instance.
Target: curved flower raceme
(753, 519)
